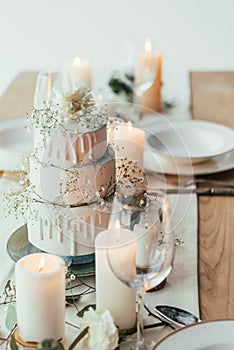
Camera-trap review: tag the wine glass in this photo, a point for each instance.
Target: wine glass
(46, 85)
(138, 67)
(140, 249)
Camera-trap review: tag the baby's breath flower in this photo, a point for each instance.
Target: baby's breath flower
(71, 106)
(20, 202)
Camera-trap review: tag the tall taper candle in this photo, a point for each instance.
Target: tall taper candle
(151, 98)
(40, 297)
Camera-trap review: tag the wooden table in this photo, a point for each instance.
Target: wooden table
(216, 219)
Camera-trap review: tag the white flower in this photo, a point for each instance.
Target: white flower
(102, 333)
(74, 104)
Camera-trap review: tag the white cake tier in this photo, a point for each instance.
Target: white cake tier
(71, 145)
(76, 185)
(66, 231)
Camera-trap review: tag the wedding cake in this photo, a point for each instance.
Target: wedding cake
(72, 170)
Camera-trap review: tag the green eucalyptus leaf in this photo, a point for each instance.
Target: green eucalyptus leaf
(48, 344)
(86, 308)
(119, 86)
(10, 321)
(80, 336)
(13, 344)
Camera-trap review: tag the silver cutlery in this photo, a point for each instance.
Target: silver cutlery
(201, 191)
(206, 181)
(173, 316)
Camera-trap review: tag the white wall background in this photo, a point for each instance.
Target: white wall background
(191, 34)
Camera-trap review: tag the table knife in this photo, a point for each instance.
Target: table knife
(201, 191)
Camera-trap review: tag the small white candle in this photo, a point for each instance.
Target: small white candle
(40, 295)
(111, 293)
(127, 141)
(78, 72)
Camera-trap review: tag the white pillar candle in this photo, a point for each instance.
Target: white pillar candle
(78, 72)
(40, 297)
(127, 141)
(111, 293)
(146, 237)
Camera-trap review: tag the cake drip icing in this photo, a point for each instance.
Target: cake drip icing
(70, 171)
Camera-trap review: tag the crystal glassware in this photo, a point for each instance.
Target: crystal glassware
(46, 85)
(140, 249)
(138, 67)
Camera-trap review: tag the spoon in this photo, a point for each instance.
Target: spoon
(175, 317)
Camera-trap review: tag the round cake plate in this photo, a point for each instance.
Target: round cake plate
(18, 246)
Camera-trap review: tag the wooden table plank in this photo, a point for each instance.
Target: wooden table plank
(17, 100)
(216, 257)
(212, 95)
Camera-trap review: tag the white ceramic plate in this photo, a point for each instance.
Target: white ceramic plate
(190, 141)
(214, 335)
(159, 164)
(15, 142)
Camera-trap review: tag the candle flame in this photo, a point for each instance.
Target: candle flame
(77, 61)
(148, 45)
(41, 264)
(100, 97)
(129, 124)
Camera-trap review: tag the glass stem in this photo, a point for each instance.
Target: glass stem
(140, 318)
(137, 101)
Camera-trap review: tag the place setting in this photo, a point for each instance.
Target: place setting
(191, 147)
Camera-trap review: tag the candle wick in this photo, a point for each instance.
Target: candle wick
(41, 265)
(117, 235)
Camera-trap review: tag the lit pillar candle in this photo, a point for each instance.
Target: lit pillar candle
(145, 69)
(78, 72)
(111, 293)
(151, 98)
(40, 295)
(127, 141)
